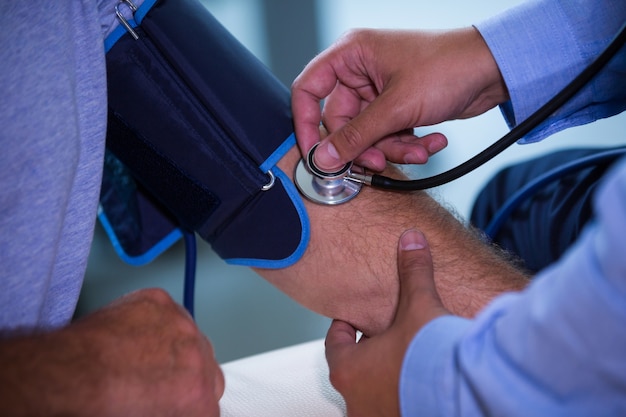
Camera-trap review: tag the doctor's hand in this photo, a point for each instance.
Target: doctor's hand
(367, 373)
(378, 85)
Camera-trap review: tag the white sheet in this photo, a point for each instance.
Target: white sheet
(288, 382)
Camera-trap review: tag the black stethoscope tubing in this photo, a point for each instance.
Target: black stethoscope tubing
(515, 134)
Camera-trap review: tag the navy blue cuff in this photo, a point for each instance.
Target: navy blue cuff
(197, 125)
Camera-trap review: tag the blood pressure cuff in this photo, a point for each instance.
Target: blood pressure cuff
(196, 126)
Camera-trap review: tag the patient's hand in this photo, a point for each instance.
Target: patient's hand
(349, 270)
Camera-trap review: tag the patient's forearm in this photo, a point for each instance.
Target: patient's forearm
(349, 268)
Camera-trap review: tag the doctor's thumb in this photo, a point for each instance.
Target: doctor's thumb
(348, 141)
(414, 259)
(418, 292)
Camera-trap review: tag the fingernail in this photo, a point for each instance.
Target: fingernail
(412, 240)
(409, 158)
(413, 158)
(326, 156)
(437, 145)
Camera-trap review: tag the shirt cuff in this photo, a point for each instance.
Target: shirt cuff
(421, 376)
(540, 46)
(535, 60)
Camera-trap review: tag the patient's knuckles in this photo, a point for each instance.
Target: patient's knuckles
(168, 324)
(190, 354)
(157, 296)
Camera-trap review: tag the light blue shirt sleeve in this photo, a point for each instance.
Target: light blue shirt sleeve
(53, 115)
(559, 347)
(540, 46)
(556, 349)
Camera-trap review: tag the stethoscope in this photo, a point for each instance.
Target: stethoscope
(332, 188)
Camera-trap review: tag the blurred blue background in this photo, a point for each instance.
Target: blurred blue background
(237, 309)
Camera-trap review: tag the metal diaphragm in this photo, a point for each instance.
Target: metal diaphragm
(330, 188)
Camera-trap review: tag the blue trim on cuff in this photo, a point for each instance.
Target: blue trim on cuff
(115, 36)
(147, 257)
(304, 237)
(143, 10)
(120, 30)
(276, 156)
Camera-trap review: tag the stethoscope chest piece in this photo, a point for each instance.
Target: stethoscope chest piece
(330, 188)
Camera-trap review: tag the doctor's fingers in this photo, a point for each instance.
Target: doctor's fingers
(380, 119)
(402, 147)
(316, 82)
(407, 148)
(345, 72)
